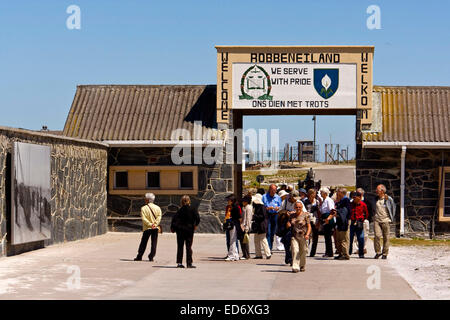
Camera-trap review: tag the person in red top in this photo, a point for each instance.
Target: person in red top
(358, 215)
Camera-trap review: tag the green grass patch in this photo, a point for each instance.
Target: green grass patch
(288, 176)
(418, 242)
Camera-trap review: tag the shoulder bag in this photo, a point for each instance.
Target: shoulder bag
(228, 225)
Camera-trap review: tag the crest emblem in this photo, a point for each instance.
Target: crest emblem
(255, 84)
(326, 82)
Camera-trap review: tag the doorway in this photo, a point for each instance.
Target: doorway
(331, 154)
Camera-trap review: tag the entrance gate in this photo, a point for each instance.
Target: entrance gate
(292, 80)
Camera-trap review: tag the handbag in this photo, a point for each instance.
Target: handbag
(228, 225)
(154, 217)
(246, 238)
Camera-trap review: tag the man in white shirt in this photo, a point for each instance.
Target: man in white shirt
(328, 221)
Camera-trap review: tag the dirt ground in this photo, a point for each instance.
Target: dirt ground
(426, 268)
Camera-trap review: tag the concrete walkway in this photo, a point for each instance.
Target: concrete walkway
(106, 271)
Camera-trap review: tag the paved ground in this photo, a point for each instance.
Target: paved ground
(107, 271)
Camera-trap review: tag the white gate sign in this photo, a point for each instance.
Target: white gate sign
(296, 85)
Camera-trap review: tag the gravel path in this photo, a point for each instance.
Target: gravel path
(426, 268)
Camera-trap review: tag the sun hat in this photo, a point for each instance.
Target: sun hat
(283, 193)
(258, 199)
(325, 190)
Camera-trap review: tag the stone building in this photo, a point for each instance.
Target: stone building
(142, 124)
(78, 188)
(408, 150)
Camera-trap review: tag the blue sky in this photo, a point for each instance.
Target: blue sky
(172, 42)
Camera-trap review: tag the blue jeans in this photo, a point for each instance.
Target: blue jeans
(271, 228)
(359, 238)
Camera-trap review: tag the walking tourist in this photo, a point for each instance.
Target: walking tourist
(228, 222)
(358, 215)
(285, 234)
(151, 218)
(260, 222)
(235, 230)
(184, 223)
(327, 220)
(284, 195)
(342, 215)
(247, 215)
(369, 201)
(312, 206)
(272, 203)
(301, 228)
(383, 216)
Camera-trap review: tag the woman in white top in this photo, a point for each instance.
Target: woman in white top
(327, 220)
(246, 225)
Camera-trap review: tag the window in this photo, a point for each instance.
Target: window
(153, 180)
(444, 191)
(138, 180)
(186, 180)
(121, 180)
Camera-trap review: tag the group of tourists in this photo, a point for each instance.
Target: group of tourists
(294, 218)
(297, 217)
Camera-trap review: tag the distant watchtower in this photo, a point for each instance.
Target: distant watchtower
(305, 150)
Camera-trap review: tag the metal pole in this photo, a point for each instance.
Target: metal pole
(402, 192)
(314, 149)
(292, 158)
(338, 153)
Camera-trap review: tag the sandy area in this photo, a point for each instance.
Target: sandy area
(426, 268)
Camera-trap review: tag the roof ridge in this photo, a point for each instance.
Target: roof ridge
(144, 85)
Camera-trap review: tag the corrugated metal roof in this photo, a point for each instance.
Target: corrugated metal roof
(151, 112)
(140, 112)
(413, 114)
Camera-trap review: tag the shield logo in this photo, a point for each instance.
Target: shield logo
(326, 82)
(255, 84)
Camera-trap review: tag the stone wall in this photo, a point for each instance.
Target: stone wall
(78, 187)
(215, 182)
(375, 166)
